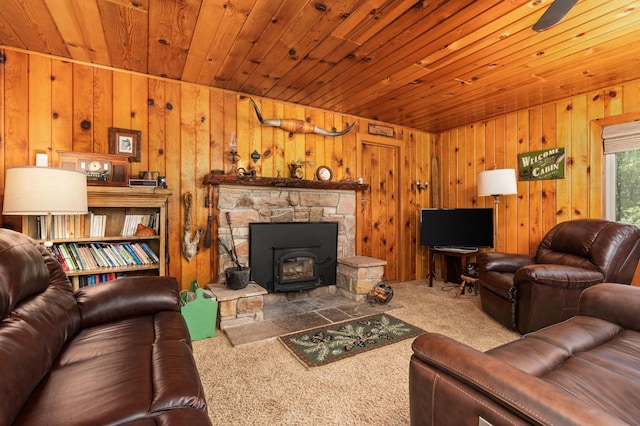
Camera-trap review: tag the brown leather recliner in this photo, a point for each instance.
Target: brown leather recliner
(527, 293)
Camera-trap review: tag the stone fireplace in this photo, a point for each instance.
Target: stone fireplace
(253, 204)
(256, 201)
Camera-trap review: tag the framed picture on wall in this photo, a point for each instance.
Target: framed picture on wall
(125, 142)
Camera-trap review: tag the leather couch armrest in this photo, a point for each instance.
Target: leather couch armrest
(616, 303)
(503, 262)
(126, 297)
(535, 400)
(558, 276)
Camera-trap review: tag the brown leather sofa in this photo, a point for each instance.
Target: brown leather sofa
(114, 353)
(527, 293)
(583, 371)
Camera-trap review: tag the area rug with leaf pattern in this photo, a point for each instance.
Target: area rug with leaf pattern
(337, 341)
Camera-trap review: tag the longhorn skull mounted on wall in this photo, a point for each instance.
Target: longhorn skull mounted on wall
(297, 126)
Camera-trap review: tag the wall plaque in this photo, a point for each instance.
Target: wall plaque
(539, 165)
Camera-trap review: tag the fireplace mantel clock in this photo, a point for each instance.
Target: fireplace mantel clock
(324, 174)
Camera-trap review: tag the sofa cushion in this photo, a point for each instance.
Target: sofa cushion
(39, 314)
(126, 364)
(593, 378)
(592, 359)
(127, 297)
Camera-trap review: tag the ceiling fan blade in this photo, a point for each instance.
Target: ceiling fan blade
(555, 13)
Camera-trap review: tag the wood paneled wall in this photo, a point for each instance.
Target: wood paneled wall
(575, 124)
(186, 130)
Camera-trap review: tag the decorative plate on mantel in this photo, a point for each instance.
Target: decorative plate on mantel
(324, 174)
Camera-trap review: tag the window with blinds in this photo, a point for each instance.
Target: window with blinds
(621, 144)
(621, 137)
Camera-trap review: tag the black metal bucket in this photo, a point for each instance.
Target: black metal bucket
(237, 278)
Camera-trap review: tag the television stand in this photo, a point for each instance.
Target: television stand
(464, 250)
(455, 260)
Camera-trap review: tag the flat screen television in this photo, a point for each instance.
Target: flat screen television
(463, 228)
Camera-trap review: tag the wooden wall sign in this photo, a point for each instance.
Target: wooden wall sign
(539, 165)
(377, 129)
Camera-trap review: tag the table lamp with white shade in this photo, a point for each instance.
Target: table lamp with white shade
(497, 182)
(37, 191)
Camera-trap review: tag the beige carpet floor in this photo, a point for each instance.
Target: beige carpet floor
(263, 384)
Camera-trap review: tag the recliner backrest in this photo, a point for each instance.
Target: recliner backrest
(39, 314)
(613, 248)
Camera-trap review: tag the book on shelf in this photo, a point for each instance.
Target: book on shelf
(61, 226)
(93, 256)
(131, 222)
(73, 250)
(142, 255)
(152, 255)
(66, 256)
(133, 254)
(88, 280)
(101, 258)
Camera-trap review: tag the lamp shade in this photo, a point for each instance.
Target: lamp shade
(31, 190)
(497, 182)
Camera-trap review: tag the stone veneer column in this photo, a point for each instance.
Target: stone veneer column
(357, 275)
(247, 204)
(238, 307)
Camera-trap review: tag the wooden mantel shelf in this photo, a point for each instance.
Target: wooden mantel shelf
(217, 179)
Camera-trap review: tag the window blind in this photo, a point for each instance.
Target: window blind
(621, 137)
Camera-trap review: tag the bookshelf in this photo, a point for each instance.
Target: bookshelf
(116, 207)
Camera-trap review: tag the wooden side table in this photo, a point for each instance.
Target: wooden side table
(461, 255)
(467, 280)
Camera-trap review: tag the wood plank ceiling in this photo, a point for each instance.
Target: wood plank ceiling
(431, 65)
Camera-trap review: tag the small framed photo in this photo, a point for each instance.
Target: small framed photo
(125, 142)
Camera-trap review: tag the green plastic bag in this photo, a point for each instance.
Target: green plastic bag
(200, 315)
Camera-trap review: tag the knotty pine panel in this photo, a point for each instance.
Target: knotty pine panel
(188, 170)
(122, 100)
(508, 206)
(563, 186)
(156, 125)
(579, 164)
(186, 131)
(39, 105)
(103, 108)
(523, 200)
(631, 97)
(62, 109)
(172, 172)
(468, 163)
(139, 113)
(548, 187)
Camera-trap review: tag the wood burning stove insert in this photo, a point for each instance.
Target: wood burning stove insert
(293, 256)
